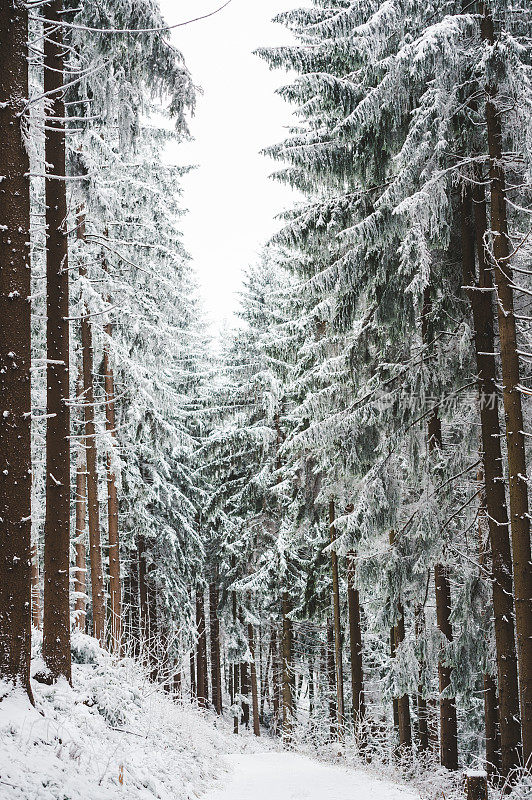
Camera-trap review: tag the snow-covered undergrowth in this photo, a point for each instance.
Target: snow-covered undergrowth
(112, 734)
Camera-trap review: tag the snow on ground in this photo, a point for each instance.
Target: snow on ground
(79, 742)
(288, 776)
(113, 734)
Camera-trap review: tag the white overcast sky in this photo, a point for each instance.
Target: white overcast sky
(232, 202)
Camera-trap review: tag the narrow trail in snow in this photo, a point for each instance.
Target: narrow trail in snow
(288, 776)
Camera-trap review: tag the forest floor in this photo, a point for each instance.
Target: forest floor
(112, 734)
(289, 776)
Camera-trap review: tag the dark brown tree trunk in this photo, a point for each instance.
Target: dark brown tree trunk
(144, 614)
(15, 352)
(287, 669)
(216, 672)
(395, 700)
(448, 719)
(515, 438)
(254, 688)
(201, 650)
(474, 225)
(337, 623)
(80, 581)
(236, 692)
(405, 725)
(36, 618)
(193, 690)
(244, 692)
(56, 628)
(492, 728)
(403, 703)
(422, 712)
(276, 679)
(91, 455)
(331, 679)
(115, 584)
(355, 643)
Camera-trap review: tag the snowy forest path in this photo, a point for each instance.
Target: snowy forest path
(289, 776)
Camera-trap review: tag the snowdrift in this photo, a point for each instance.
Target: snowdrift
(112, 734)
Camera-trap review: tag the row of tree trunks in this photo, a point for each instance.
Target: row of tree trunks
(474, 229)
(515, 438)
(56, 628)
(15, 353)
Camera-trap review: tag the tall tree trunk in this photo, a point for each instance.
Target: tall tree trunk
(330, 670)
(236, 693)
(276, 679)
(216, 673)
(515, 437)
(254, 688)
(115, 584)
(193, 690)
(244, 692)
(144, 611)
(56, 628)
(474, 225)
(80, 581)
(405, 725)
(403, 703)
(91, 455)
(395, 701)
(337, 623)
(355, 643)
(448, 719)
(36, 618)
(15, 352)
(422, 711)
(200, 649)
(287, 670)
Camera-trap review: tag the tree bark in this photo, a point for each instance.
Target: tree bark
(80, 581)
(515, 439)
(403, 702)
(216, 673)
(287, 669)
(276, 679)
(56, 628)
(254, 688)
(201, 650)
(93, 507)
(330, 669)
(115, 583)
(355, 643)
(422, 711)
(144, 612)
(474, 226)
(448, 719)
(15, 352)
(337, 623)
